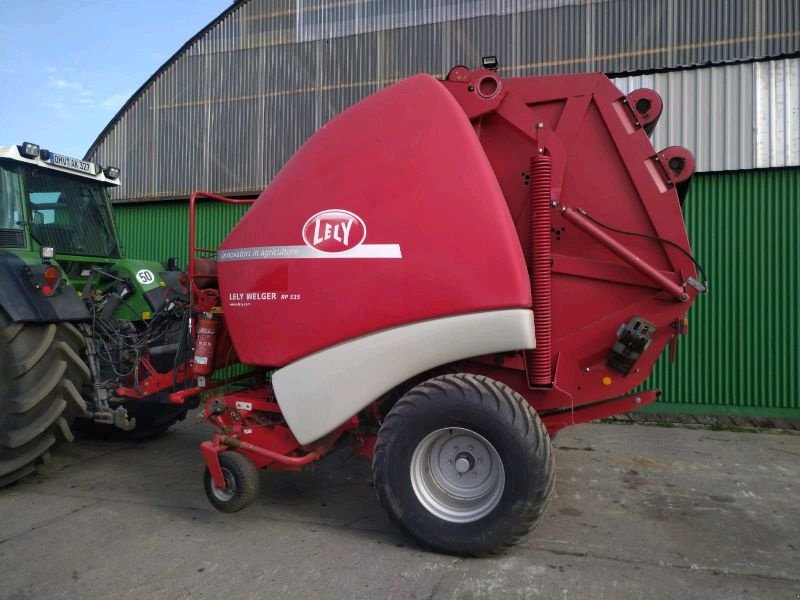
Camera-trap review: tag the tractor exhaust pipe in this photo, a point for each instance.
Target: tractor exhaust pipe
(539, 360)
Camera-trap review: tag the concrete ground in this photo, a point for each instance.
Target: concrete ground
(640, 512)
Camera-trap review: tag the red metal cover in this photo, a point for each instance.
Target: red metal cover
(389, 214)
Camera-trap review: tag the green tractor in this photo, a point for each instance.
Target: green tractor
(89, 339)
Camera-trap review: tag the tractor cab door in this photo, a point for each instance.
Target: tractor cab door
(11, 217)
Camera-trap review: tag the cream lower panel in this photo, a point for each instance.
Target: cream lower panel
(321, 391)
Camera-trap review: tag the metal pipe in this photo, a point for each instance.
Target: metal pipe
(576, 218)
(539, 360)
(296, 461)
(192, 201)
(180, 396)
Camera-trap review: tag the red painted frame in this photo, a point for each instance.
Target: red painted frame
(582, 387)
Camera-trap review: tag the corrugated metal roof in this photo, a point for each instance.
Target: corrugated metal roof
(742, 116)
(238, 99)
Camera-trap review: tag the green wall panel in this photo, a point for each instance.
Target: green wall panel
(741, 356)
(159, 230)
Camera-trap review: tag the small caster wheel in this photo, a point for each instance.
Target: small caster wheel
(241, 483)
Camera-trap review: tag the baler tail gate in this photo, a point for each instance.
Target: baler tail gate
(519, 271)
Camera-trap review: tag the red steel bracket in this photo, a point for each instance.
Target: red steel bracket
(211, 452)
(599, 410)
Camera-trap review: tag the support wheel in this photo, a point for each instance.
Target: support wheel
(241, 481)
(42, 372)
(463, 465)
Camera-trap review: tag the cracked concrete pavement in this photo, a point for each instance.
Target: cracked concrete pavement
(640, 512)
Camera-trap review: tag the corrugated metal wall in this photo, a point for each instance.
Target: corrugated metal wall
(160, 230)
(229, 111)
(741, 356)
(733, 117)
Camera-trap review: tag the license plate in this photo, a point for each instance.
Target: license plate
(72, 163)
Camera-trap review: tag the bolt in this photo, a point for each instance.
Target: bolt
(540, 125)
(449, 462)
(462, 465)
(638, 400)
(587, 369)
(470, 448)
(480, 460)
(683, 297)
(474, 474)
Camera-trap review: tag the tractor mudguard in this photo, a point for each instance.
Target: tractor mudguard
(23, 302)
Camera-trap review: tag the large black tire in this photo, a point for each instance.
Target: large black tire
(467, 425)
(42, 372)
(241, 478)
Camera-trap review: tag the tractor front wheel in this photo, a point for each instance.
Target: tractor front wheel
(41, 375)
(241, 483)
(463, 465)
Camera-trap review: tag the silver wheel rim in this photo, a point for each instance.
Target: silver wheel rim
(457, 475)
(230, 487)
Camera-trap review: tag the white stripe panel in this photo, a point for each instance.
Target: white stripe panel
(283, 252)
(321, 391)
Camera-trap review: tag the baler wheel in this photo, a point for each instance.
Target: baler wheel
(241, 480)
(42, 372)
(464, 465)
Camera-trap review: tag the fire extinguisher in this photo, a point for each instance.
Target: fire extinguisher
(205, 344)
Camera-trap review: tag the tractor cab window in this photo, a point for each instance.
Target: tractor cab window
(70, 214)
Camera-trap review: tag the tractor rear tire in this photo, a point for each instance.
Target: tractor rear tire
(42, 372)
(241, 479)
(463, 465)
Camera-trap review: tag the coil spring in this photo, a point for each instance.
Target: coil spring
(540, 361)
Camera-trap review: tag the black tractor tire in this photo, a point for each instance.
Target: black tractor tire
(241, 479)
(42, 371)
(456, 425)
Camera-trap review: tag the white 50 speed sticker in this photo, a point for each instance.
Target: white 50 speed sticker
(145, 277)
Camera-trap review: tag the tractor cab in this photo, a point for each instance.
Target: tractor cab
(48, 200)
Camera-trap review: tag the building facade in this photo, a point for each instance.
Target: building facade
(235, 102)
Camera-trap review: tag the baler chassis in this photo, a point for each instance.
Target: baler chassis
(461, 448)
